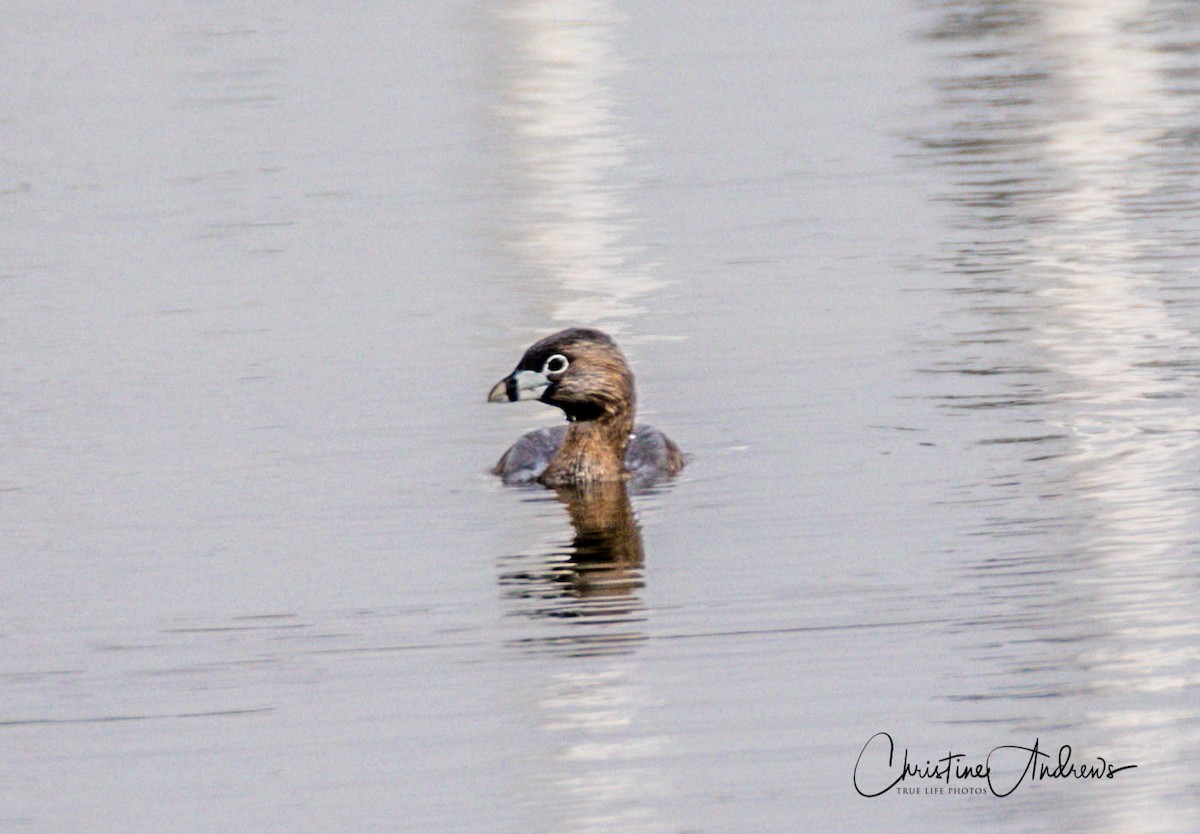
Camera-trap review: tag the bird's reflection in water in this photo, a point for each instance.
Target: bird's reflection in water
(588, 585)
(607, 548)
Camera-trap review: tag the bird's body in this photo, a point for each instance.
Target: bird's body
(647, 455)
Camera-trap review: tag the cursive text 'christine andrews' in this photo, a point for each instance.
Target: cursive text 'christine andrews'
(876, 772)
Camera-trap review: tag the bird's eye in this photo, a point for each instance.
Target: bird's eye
(556, 364)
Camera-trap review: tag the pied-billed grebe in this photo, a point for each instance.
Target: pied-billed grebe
(584, 373)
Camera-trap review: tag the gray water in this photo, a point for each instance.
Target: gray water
(915, 289)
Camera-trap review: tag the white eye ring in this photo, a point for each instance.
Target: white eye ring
(556, 364)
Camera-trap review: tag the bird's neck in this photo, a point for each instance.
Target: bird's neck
(592, 451)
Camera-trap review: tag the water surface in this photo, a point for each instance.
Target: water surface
(914, 291)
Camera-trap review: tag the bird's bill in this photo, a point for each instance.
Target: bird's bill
(519, 385)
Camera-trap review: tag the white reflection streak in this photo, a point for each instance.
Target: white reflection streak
(606, 774)
(1108, 330)
(563, 169)
(567, 155)
(1107, 327)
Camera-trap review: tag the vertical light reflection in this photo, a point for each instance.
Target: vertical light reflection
(1105, 327)
(562, 170)
(1060, 147)
(604, 771)
(1134, 430)
(563, 167)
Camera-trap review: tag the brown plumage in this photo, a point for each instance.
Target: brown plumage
(584, 373)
